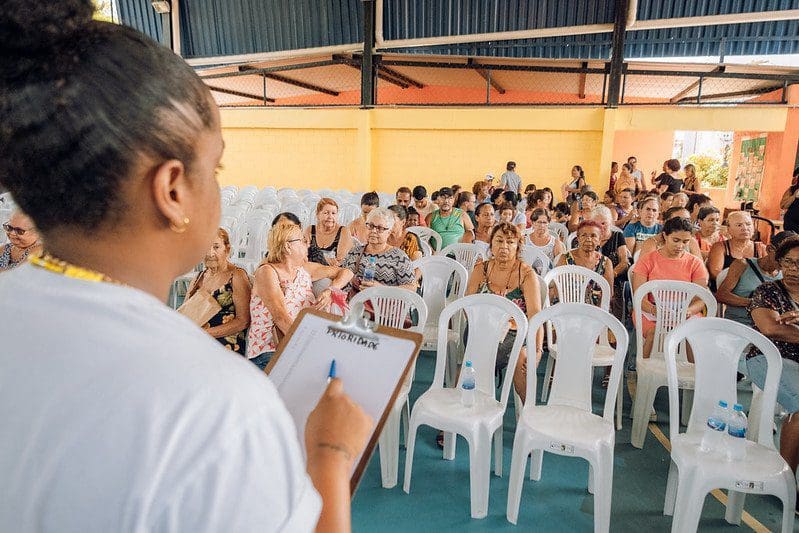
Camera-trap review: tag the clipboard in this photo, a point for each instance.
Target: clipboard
(372, 361)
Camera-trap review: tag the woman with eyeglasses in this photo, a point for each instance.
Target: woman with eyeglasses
(118, 413)
(588, 254)
(390, 265)
(23, 241)
(541, 238)
(284, 287)
(774, 308)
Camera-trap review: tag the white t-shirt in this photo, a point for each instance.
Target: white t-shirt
(119, 414)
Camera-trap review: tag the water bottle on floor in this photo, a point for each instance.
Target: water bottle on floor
(468, 384)
(369, 271)
(736, 429)
(713, 439)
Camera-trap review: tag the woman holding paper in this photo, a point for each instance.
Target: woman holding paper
(284, 287)
(230, 287)
(157, 427)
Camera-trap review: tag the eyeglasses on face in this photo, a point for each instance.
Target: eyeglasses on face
(298, 240)
(14, 230)
(790, 264)
(374, 227)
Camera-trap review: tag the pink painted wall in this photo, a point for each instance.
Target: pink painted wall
(650, 147)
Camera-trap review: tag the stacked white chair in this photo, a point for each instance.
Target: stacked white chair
(348, 212)
(426, 234)
(543, 428)
(718, 345)
(441, 407)
(465, 254)
(437, 277)
(571, 285)
(672, 299)
(391, 306)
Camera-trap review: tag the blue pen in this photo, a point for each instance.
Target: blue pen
(332, 373)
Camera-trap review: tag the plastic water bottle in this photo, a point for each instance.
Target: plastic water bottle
(369, 271)
(468, 383)
(736, 429)
(713, 439)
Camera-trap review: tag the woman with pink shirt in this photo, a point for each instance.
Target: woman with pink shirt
(674, 262)
(283, 288)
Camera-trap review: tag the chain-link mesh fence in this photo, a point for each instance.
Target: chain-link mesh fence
(336, 81)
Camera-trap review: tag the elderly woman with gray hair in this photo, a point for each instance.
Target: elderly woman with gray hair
(377, 262)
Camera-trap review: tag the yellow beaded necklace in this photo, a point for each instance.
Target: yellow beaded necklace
(53, 264)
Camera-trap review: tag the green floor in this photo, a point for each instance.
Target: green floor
(439, 497)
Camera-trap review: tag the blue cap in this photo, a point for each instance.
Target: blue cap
(738, 407)
(723, 403)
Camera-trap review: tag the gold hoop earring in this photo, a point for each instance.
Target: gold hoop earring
(181, 229)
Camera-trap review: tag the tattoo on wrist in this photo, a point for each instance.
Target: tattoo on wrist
(335, 447)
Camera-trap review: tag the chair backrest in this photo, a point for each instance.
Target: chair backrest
(488, 315)
(392, 306)
(671, 299)
(537, 259)
(718, 345)
(570, 240)
(464, 253)
(436, 273)
(425, 234)
(427, 250)
(578, 326)
(347, 213)
(571, 283)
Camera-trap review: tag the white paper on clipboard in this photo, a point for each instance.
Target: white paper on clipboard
(369, 369)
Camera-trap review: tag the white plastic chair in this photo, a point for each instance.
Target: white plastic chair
(570, 241)
(466, 254)
(719, 280)
(441, 407)
(427, 250)
(566, 425)
(672, 299)
(571, 283)
(391, 306)
(718, 345)
(438, 275)
(538, 260)
(425, 234)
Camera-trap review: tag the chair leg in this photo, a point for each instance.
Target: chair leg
(788, 504)
(388, 445)
(688, 504)
(735, 507)
(406, 415)
(671, 490)
(591, 478)
(406, 486)
(547, 377)
(536, 462)
(603, 490)
(644, 400)
(619, 404)
(450, 440)
(498, 452)
(479, 472)
(517, 464)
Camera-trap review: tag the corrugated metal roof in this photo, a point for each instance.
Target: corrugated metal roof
(140, 14)
(227, 27)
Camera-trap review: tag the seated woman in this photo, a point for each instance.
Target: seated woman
(484, 214)
(23, 241)
(739, 246)
(587, 254)
(672, 261)
(643, 224)
(406, 241)
(614, 247)
(581, 209)
(283, 287)
(391, 265)
(709, 220)
(328, 240)
(746, 275)
(774, 309)
(541, 238)
(507, 276)
(657, 241)
(507, 213)
(229, 285)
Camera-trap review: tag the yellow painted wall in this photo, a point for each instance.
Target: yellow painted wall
(384, 148)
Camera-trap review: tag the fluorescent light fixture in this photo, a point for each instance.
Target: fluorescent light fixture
(161, 6)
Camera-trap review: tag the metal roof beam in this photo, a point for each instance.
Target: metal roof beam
(260, 98)
(746, 92)
(679, 96)
(401, 77)
(289, 81)
(381, 75)
(581, 82)
(484, 74)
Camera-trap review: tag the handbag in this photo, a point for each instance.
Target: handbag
(200, 307)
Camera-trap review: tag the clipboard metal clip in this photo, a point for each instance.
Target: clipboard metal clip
(356, 323)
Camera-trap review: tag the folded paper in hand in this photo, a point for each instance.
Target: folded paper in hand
(200, 307)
